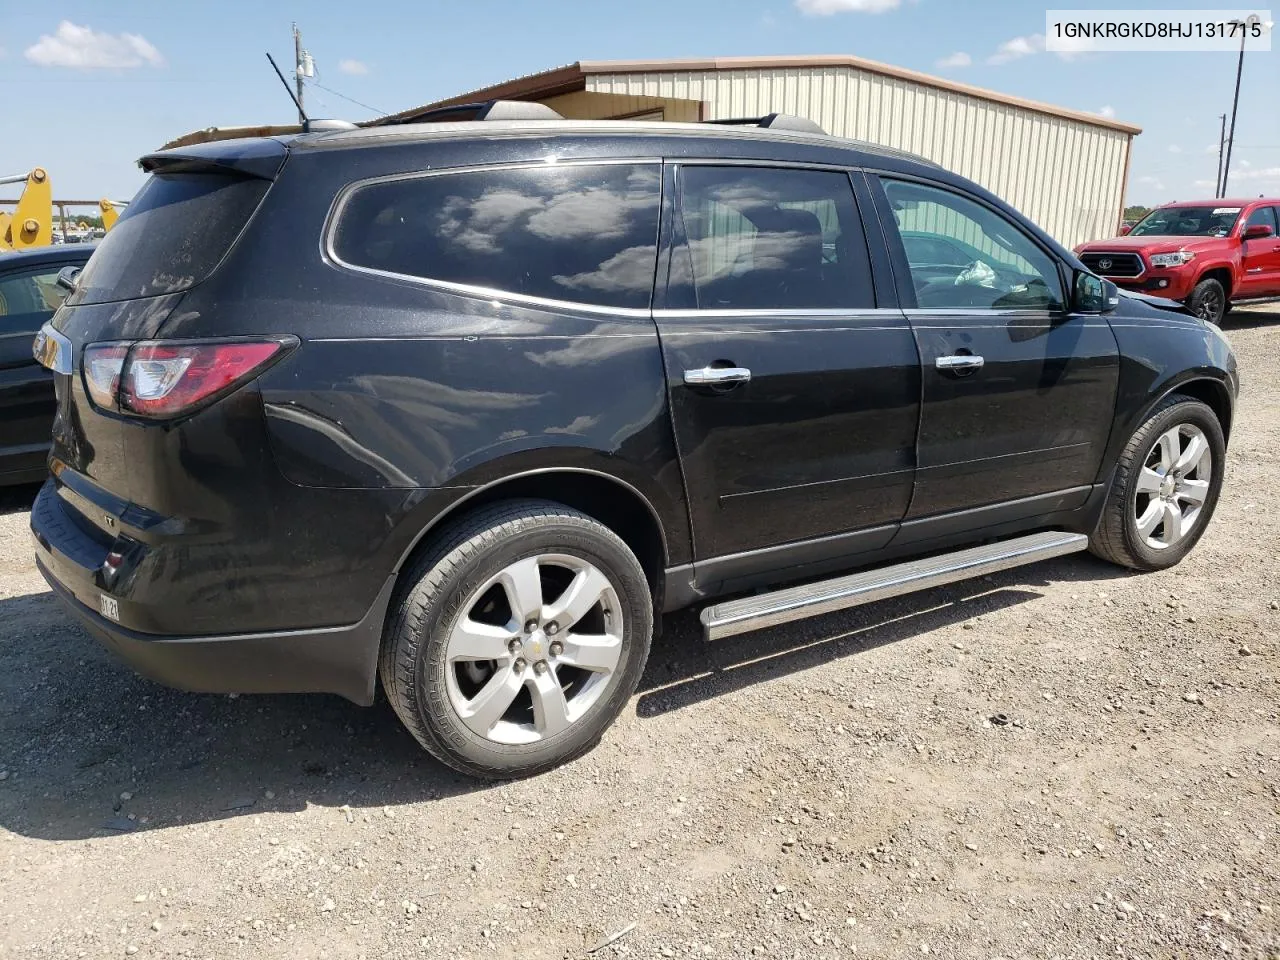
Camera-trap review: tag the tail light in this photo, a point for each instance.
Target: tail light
(165, 379)
(103, 364)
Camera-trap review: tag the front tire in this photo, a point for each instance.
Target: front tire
(520, 636)
(1208, 301)
(1165, 488)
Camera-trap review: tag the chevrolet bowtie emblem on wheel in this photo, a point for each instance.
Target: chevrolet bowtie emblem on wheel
(1104, 264)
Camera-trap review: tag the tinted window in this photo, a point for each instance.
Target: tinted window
(583, 233)
(1265, 216)
(773, 238)
(170, 237)
(989, 264)
(31, 296)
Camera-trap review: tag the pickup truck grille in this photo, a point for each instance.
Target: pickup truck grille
(1113, 264)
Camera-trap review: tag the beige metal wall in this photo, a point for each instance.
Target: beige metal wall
(1066, 175)
(583, 105)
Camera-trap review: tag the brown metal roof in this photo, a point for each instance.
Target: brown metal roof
(574, 77)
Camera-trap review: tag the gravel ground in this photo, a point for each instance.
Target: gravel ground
(824, 790)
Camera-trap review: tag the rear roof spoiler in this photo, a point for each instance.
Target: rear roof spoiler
(256, 157)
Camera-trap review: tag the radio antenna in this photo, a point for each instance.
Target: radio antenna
(296, 103)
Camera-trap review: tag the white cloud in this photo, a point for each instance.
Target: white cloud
(353, 68)
(1174, 148)
(1155, 183)
(1245, 163)
(1108, 111)
(958, 59)
(1262, 173)
(825, 8)
(85, 49)
(1017, 48)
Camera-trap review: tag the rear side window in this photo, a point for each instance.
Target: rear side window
(580, 233)
(170, 237)
(774, 238)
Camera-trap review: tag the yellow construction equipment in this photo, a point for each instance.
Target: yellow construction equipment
(31, 223)
(109, 213)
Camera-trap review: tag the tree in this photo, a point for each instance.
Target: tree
(1135, 212)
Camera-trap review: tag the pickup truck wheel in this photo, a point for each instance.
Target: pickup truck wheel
(1208, 301)
(1165, 488)
(518, 639)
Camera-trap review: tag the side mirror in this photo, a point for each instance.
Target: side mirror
(1093, 294)
(1258, 231)
(67, 278)
(1124, 229)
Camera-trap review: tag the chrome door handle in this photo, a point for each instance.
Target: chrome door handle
(716, 376)
(959, 363)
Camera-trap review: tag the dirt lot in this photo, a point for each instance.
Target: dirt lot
(817, 791)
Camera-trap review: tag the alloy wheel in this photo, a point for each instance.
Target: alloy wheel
(1173, 486)
(1210, 306)
(536, 646)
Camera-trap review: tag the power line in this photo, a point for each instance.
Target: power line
(316, 83)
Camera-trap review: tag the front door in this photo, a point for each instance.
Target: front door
(1019, 393)
(795, 400)
(1260, 257)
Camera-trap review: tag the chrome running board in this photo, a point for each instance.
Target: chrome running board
(810, 600)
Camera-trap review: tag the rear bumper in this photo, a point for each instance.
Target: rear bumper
(341, 660)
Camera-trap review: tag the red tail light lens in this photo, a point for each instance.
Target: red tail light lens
(167, 379)
(103, 364)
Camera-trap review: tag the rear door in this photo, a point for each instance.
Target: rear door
(28, 297)
(1260, 257)
(1018, 391)
(794, 390)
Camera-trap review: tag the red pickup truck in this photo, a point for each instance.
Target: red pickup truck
(1207, 254)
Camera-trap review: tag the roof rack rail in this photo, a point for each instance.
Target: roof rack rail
(487, 110)
(775, 121)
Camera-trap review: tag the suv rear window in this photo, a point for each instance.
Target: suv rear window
(583, 233)
(170, 237)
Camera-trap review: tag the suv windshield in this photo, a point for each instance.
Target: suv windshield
(1187, 222)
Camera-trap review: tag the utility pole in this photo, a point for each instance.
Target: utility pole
(1222, 142)
(297, 73)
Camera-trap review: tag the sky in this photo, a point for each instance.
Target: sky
(88, 86)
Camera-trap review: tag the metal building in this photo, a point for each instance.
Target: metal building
(1065, 169)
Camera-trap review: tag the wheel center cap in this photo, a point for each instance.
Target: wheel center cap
(536, 645)
(1168, 486)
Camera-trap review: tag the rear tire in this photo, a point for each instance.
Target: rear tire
(517, 639)
(1208, 301)
(1165, 488)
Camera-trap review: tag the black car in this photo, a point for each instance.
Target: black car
(29, 293)
(468, 406)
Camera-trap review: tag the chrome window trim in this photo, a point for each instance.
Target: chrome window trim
(751, 313)
(329, 254)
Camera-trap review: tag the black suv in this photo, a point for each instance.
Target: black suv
(468, 406)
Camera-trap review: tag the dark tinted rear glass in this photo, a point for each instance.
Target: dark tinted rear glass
(582, 233)
(170, 237)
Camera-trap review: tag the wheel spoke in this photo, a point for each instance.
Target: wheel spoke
(523, 585)
(1194, 491)
(1192, 454)
(472, 640)
(1170, 447)
(1150, 518)
(1171, 533)
(494, 699)
(1149, 481)
(598, 653)
(550, 709)
(582, 594)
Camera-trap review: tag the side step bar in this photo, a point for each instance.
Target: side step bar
(810, 600)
